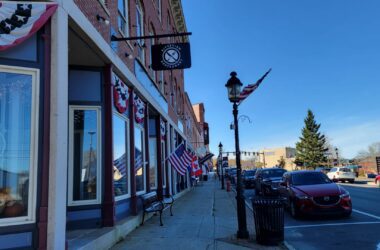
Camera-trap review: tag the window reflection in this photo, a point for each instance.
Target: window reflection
(120, 156)
(15, 143)
(153, 162)
(139, 159)
(85, 155)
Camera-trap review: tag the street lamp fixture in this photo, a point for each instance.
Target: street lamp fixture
(234, 88)
(221, 164)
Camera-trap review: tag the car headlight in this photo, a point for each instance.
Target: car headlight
(345, 195)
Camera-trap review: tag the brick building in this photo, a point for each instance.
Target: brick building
(86, 125)
(274, 155)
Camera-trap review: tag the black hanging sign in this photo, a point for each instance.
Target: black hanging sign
(171, 56)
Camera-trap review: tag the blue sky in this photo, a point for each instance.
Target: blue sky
(325, 55)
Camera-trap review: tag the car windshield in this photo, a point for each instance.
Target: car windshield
(270, 173)
(344, 170)
(311, 178)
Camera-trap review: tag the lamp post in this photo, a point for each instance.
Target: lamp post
(234, 87)
(221, 163)
(337, 156)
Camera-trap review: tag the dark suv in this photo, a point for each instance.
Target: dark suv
(249, 178)
(267, 180)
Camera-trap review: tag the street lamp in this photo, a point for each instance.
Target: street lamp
(234, 87)
(337, 156)
(221, 163)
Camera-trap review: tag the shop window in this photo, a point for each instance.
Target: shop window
(18, 144)
(122, 19)
(121, 156)
(163, 159)
(84, 155)
(139, 159)
(153, 162)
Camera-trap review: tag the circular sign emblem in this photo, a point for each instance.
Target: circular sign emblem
(171, 56)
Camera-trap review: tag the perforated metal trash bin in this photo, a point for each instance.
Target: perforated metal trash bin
(269, 220)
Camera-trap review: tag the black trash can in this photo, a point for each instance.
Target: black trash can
(269, 220)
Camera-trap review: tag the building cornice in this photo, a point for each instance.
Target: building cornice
(178, 16)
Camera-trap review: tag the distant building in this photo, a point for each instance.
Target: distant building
(271, 157)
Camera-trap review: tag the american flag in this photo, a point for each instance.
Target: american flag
(180, 159)
(121, 164)
(138, 159)
(247, 90)
(20, 21)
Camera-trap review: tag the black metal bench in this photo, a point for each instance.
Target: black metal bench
(151, 204)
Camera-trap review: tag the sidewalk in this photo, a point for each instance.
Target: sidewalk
(205, 218)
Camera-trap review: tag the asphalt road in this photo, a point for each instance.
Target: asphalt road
(360, 231)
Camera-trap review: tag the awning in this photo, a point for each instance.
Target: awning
(20, 20)
(206, 158)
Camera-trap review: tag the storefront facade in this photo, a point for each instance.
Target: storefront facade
(86, 125)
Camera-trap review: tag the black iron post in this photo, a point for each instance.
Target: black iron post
(242, 232)
(337, 156)
(221, 163)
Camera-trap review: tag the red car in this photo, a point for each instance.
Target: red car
(377, 181)
(313, 193)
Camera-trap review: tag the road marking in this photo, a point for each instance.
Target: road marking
(370, 215)
(334, 224)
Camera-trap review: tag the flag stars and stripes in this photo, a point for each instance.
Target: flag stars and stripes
(247, 90)
(180, 159)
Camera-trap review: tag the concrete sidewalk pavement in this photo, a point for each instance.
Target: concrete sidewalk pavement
(205, 218)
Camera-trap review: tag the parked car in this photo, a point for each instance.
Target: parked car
(226, 172)
(377, 181)
(232, 175)
(341, 174)
(313, 193)
(267, 180)
(324, 170)
(249, 178)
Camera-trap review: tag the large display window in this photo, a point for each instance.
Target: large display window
(19, 88)
(121, 165)
(140, 159)
(84, 155)
(153, 163)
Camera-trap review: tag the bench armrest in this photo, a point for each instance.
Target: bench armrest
(169, 196)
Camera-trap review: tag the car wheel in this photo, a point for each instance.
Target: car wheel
(293, 210)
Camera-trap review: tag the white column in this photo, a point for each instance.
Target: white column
(58, 131)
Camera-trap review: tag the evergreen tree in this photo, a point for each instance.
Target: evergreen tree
(310, 150)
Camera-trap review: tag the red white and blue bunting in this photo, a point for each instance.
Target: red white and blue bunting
(139, 107)
(120, 94)
(19, 21)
